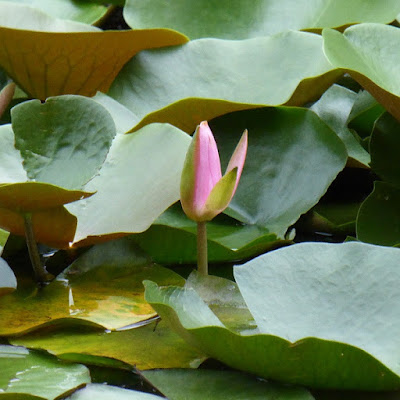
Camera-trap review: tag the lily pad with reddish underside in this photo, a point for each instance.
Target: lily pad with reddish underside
(72, 58)
(322, 318)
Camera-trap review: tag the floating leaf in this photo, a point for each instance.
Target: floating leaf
(203, 384)
(368, 53)
(76, 293)
(26, 374)
(106, 392)
(8, 283)
(153, 345)
(334, 108)
(220, 76)
(72, 58)
(82, 11)
(63, 141)
(264, 17)
(324, 319)
(144, 168)
(277, 185)
(172, 239)
(378, 220)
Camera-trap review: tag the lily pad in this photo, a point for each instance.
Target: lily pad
(221, 76)
(106, 392)
(334, 108)
(202, 384)
(72, 58)
(321, 324)
(378, 220)
(77, 295)
(277, 185)
(8, 282)
(148, 346)
(82, 11)
(26, 374)
(264, 17)
(368, 53)
(172, 239)
(68, 141)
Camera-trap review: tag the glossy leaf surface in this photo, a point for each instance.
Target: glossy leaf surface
(8, 282)
(26, 374)
(277, 185)
(76, 294)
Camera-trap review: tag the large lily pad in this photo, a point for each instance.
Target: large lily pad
(324, 319)
(277, 185)
(220, 76)
(264, 17)
(150, 346)
(77, 295)
(83, 11)
(72, 58)
(27, 375)
(218, 385)
(368, 53)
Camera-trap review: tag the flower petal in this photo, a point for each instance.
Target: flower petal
(238, 157)
(207, 164)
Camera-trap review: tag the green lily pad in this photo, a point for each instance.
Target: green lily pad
(368, 53)
(77, 294)
(82, 11)
(262, 18)
(202, 384)
(68, 141)
(220, 76)
(277, 185)
(378, 220)
(63, 141)
(106, 392)
(366, 110)
(334, 108)
(152, 345)
(385, 147)
(26, 374)
(73, 58)
(172, 239)
(8, 283)
(320, 323)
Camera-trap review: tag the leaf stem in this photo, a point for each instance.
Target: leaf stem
(40, 271)
(202, 257)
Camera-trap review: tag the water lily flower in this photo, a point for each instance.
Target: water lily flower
(205, 193)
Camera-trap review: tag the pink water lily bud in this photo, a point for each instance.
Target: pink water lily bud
(205, 193)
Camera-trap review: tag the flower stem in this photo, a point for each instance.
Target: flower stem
(202, 258)
(40, 271)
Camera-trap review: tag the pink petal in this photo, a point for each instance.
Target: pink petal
(238, 158)
(207, 164)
